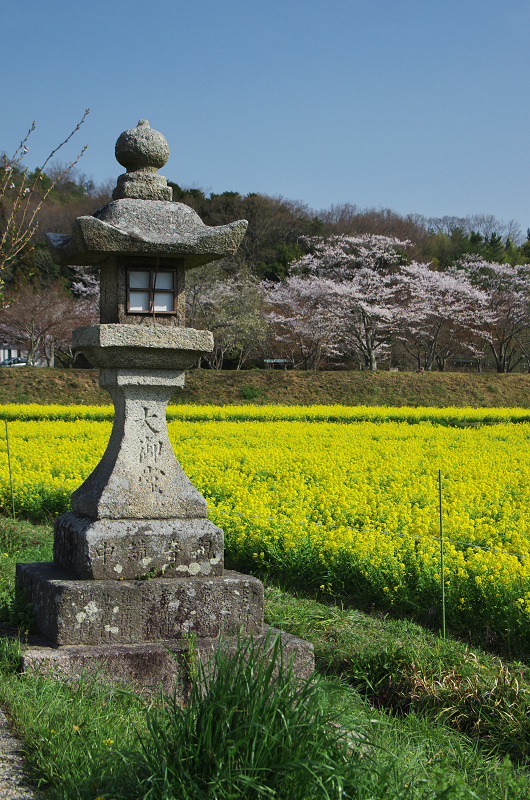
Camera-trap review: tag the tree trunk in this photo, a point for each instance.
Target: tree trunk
(49, 352)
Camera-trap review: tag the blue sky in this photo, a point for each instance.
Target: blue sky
(414, 105)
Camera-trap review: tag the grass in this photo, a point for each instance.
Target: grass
(242, 738)
(25, 542)
(68, 730)
(250, 730)
(427, 717)
(289, 387)
(405, 669)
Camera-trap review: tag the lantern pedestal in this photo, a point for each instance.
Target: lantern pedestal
(139, 476)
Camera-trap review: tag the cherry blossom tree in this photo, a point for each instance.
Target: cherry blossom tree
(507, 323)
(355, 296)
(303, 323)
(42, 319)
(343, 298)
(86, 286)
(443, 313)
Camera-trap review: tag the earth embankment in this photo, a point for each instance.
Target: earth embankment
(286, 387)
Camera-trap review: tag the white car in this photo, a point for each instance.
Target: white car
(14, 361)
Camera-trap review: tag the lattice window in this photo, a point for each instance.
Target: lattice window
(150, 290)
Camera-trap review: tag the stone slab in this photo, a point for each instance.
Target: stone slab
(129, 549)
(153, 336)
(133, 346)
(147, 668)
(85, 612)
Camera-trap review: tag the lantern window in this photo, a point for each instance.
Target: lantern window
(151, 291)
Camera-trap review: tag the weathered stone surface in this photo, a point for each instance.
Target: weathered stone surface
(128, 549)
(142, 151)
(135, 225)
(142, 227)
(152, 337)
(148, 347)
(150, 667)
(143, 185)
(141, 148)
(69, 611)
(139, 476)
(138, 514)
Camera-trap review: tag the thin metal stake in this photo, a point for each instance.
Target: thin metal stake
(442, 551)
(10, 473)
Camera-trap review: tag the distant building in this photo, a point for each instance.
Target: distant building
(8, 350)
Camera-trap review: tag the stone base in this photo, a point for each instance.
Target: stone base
(147, 668)
(107, 549)
(70, 611)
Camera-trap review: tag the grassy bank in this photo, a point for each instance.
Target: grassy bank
(291, 387)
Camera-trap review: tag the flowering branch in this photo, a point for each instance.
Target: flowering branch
(18, 209)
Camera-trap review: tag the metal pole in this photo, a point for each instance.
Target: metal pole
(10, 473)
(442, 550)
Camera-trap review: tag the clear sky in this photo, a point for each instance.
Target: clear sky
(413, 105)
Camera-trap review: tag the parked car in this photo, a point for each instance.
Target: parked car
(14, 361)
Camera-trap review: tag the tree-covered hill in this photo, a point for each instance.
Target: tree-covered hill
(276, 229)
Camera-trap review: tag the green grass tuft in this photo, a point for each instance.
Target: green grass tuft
(251, 730)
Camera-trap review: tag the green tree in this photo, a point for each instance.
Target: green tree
(275, 227)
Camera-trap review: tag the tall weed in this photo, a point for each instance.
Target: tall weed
(252, 730)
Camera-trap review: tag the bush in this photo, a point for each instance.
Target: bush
(252, 392)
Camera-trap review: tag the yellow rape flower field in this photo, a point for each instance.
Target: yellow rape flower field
(346, 509)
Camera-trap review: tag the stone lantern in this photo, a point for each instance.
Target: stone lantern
(136, 562)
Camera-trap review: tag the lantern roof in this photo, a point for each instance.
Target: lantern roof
(142, 219)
